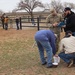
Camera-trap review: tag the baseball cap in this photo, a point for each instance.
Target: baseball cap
(67, 8)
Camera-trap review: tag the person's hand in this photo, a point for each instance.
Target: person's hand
(56, 55)
(55, 24)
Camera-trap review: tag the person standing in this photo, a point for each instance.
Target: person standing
(67, 49)
(45, 39)
(6, 22)
(53, 19)
(70, 20)
(17, 23)
(2, 20)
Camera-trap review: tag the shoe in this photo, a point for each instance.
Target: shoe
(52, 66)
(70, 63)
(49, 66)
(73, 61)
(44, 63)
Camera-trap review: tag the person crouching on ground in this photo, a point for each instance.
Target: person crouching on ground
(67, 48)
(45, 39)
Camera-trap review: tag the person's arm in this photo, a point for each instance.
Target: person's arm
(70, 21)
(52, 42)
(61, 47)
(48, 19)
(55, 24)
(60, 24)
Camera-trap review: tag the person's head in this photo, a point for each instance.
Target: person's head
(6, 16)
(68, 33)
(67, 11)
(53, 12)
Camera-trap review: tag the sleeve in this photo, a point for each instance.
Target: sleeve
(61, 18)
(61, 47)
(48, 19)
(53, 45)
(70, 21)
(61, 24)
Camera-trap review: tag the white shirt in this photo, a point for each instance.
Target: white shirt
(67, 44)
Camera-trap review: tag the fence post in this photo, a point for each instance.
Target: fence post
(20, 23)
(38, 23)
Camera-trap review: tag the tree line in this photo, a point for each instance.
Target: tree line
(30, 5)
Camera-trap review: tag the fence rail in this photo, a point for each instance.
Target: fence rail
(36, 20)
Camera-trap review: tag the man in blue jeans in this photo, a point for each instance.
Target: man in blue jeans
(67, 49)
(45, 39)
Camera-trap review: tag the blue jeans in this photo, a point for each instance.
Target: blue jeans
(17, 24)
(45, 45)
(66, 57)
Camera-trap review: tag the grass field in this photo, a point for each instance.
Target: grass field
(18, 57)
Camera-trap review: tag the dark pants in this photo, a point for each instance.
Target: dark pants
(17, 24)
(3, 24)
(6, 26)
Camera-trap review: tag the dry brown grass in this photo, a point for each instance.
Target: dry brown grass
(18, 57)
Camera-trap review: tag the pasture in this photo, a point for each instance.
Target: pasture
(18, 57)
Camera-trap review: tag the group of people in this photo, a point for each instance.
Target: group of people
(5, 20)
(46, 39)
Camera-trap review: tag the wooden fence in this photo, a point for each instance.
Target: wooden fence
(24, 21)
(36, 20)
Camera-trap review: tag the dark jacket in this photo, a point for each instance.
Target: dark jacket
(17, 20)
(70, 22)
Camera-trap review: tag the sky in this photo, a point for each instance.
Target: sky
(9, 5)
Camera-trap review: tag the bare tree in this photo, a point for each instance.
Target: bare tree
(57, 5)
(29, 5)
(14, 10)
(1, 12)
(71, 5)
(47, 6)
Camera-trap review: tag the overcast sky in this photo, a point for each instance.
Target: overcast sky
(8, 5)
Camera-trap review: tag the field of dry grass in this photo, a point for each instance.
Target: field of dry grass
(18, 57)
